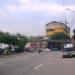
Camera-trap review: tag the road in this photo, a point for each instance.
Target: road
(46, 63)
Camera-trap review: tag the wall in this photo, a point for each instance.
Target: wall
(55, 27)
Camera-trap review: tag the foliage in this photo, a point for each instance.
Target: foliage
(7, 38)
(13, 39)
(18, 41)
(22, 40)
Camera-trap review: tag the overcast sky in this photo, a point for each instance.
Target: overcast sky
(30, 16)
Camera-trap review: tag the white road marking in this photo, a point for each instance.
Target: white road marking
(38, 66)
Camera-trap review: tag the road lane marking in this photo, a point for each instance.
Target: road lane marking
(38, 66)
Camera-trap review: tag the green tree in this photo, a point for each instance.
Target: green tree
(1, 37)
(22, 40)
(18, 39)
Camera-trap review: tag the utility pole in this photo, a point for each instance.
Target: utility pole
(65, 30)
(74, 34)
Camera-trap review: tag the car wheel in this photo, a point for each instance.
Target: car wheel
(64, 56)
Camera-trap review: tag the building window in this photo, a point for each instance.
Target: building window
(49, 30)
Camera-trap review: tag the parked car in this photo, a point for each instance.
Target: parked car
(29, 49)
(45, 49)
(69, 54)
(2, 50)
(68, 47)
(18, 50)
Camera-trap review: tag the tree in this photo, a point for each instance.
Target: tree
(1, 37)
(22, 40)
(18, 39)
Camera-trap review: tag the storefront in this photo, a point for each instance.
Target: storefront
(55, 45)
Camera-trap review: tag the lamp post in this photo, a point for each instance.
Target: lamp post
(65, 36)
(70, 10)
(74, 34)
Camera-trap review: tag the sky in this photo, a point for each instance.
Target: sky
(29, 17)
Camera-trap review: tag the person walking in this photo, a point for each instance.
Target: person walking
(39, 50)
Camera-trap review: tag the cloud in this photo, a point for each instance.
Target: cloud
(6, 28)
(24, 29)
(37, 6)
(2, 13)
(11, 8)
(25, 2)
(47, 8)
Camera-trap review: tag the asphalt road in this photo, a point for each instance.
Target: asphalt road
(46, 63)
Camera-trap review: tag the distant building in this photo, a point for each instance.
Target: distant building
(37, 42)
(57, 34)
(56, 27)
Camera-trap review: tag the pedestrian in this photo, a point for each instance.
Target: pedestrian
(39, 50)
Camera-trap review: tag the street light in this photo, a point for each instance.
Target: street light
(66, 23)
(70, 10)
(73, 11)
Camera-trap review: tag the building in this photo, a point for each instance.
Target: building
(57, 34)
(37, 42)
(56, 27)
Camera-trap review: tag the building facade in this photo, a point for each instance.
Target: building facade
(37, 42)
(56, 27)
(57, 34)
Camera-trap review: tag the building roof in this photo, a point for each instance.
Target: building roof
(56, 22)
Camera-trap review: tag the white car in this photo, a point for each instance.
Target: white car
(45, 49)
(68, 47)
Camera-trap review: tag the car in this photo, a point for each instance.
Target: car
(68, 47)
(1, 50)
(69, 54)
(45, 49)
(29, 49)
